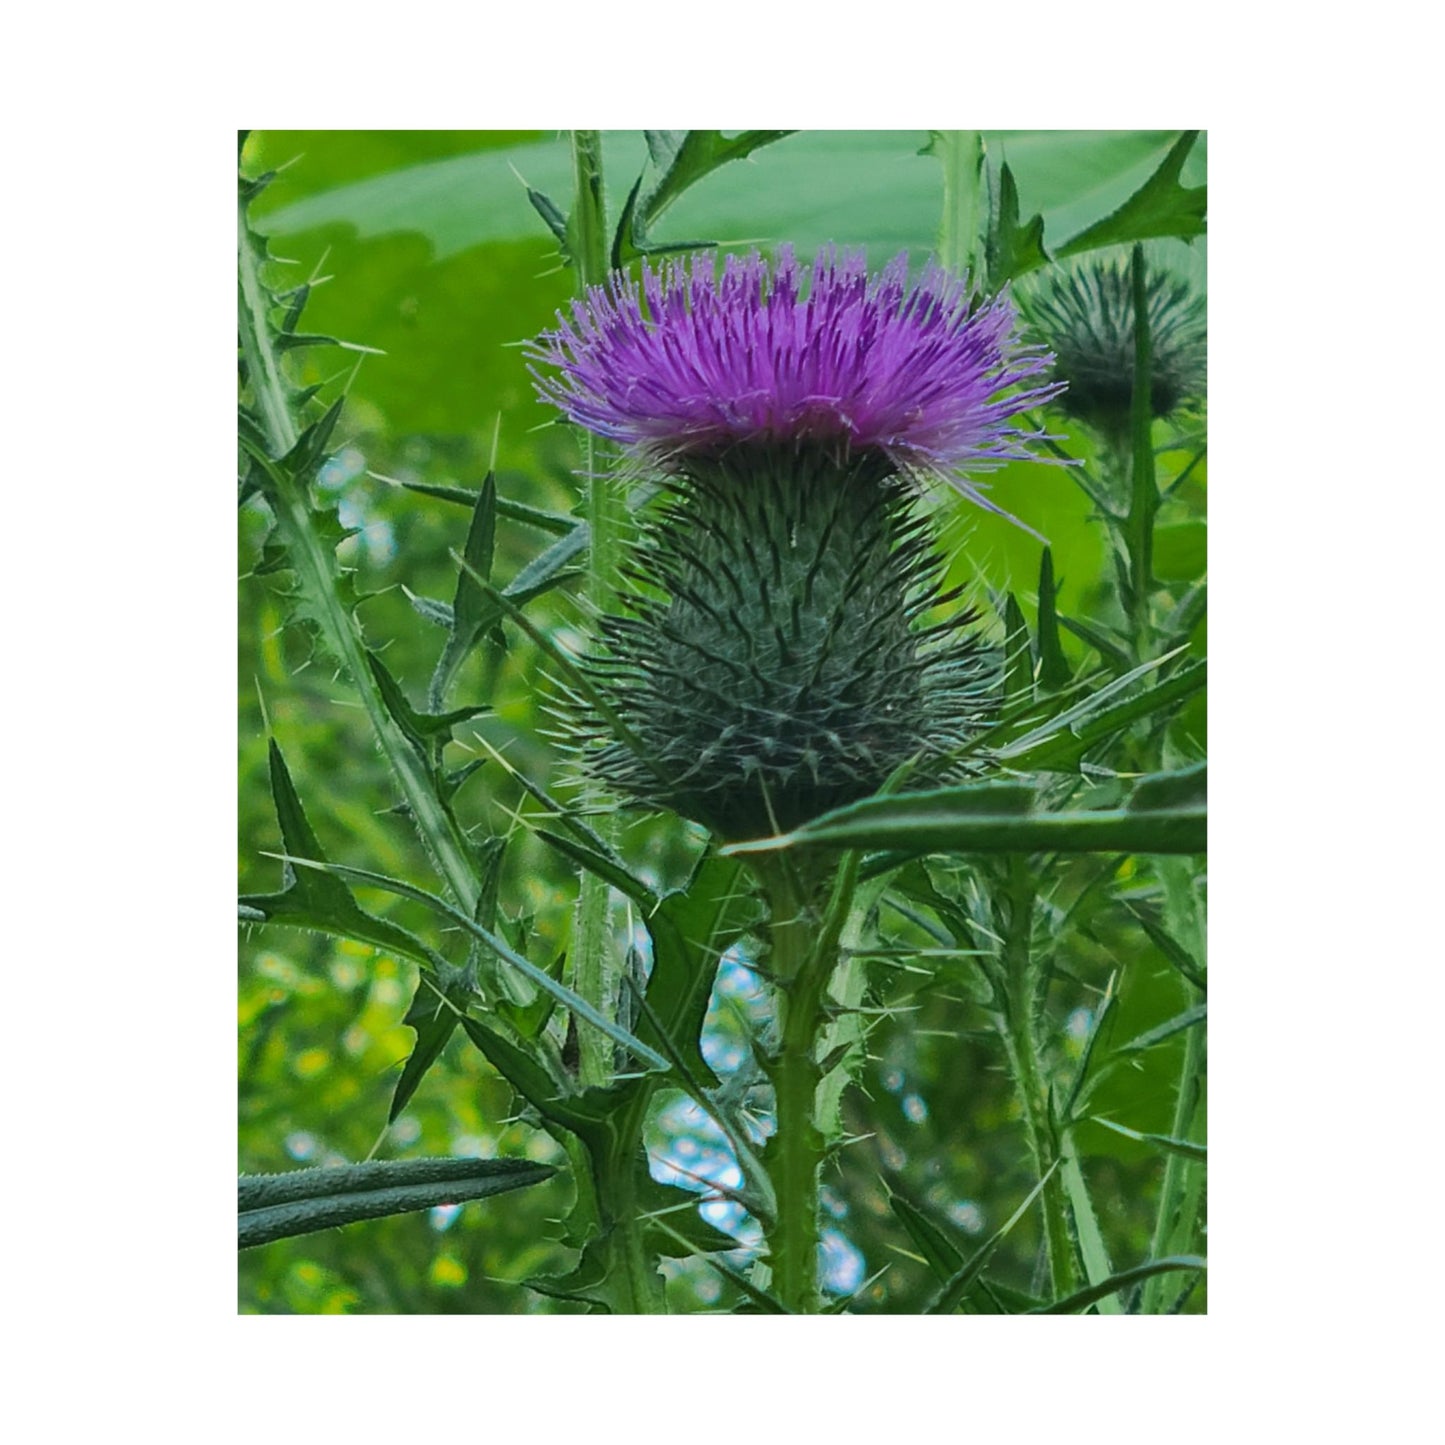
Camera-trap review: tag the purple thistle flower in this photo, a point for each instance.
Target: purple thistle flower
(927, 376)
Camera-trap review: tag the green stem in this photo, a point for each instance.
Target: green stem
(593, 977)
(594, 971)
(1024, 982)
(1181, 1192)
(1173, 1231)
(961, 154)
(802, 956)
(1144, 487)
(314, 564)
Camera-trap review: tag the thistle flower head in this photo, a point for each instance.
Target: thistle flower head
(778, 655)
(689, 363)
(1085, 313)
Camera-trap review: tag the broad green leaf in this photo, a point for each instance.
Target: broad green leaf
(1085, 1297)
(277, 1206)
(788, 192)
(1164, 814)
(1160, 207)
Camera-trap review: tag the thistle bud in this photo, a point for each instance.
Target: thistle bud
(1085, 313)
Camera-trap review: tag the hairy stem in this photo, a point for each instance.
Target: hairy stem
(803, 953)
(595, 973)
(1024, 982)
(961, 154)
(593, 977)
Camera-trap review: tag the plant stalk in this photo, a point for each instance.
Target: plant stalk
(1024, 982)
(961, 154)
(803, 953)
(594, 977)
(595, 972)
(314, 564)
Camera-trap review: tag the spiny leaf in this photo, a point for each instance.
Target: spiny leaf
(1110, 647)
(1086, 1225)
(1160, 207)
(1053, 668)
(943, 1258)
(317, 901)
(1115, 1283)
(1171, 948)
(499, 946)
(437, 1005)
(1147, 1040)
(1187, 1147)
(1012, 249)
(552, 215)
(439, 612)
(421, 728)
(553, 522)
(1165, 814)
(1061, 743)
(688, 1231)
(766, 1302)
(278, 1206)
(433, 1013)
(609, 868)
(690, 931)
(1018, 681)
(1143, 485)
(535, 1084)
(472, 615)
(951, 1295)
(682, 159)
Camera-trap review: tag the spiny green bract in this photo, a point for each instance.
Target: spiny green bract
(775, 662)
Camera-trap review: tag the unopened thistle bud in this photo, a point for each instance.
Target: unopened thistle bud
(777, 657)
(1085, 313)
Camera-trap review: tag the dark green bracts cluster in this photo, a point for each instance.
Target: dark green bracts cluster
(1086, 315)
(776, 660)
